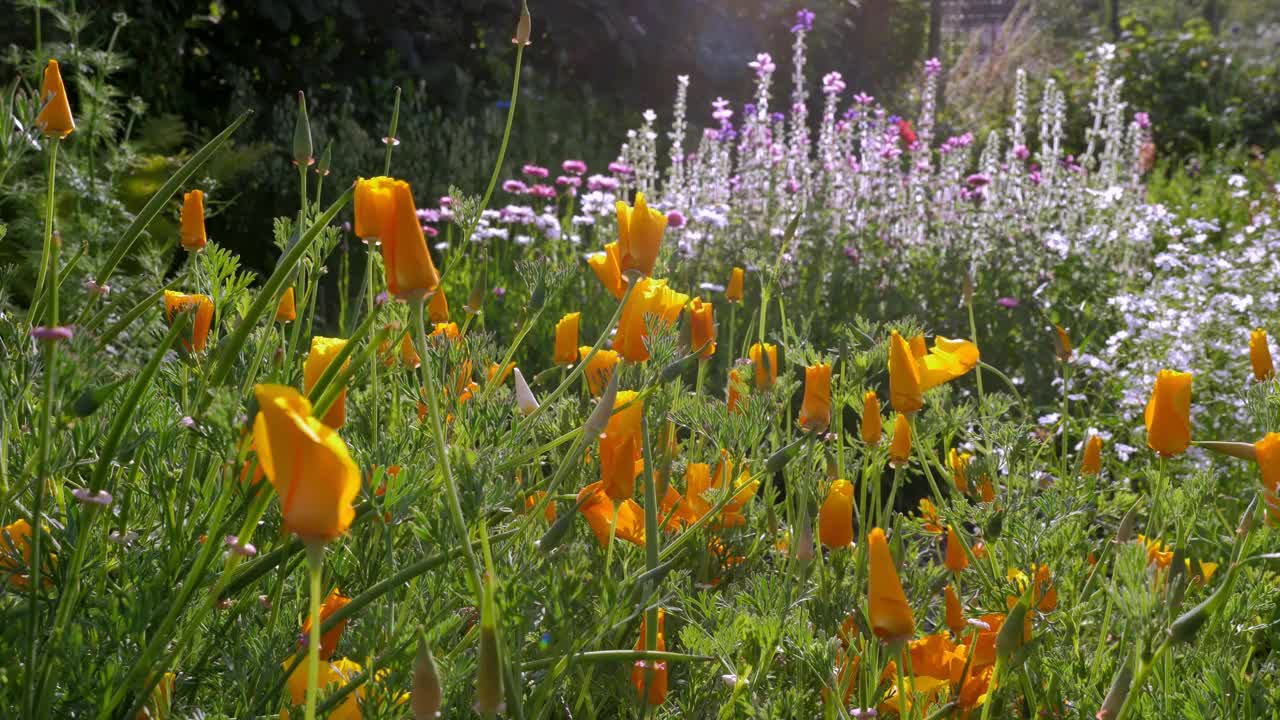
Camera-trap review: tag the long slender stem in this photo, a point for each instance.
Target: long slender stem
(1066, 420)
(442, 451)
(315, 566)
(369, 282)
(391, 140)
(47, 248)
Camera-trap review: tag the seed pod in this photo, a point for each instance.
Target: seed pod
(1116, 695)
(1124, 533)
(1184, 629)
(302, 148)
(427, 691)
(779, 459)
(1011, 633)
(675, 367)
(490, 695)
(554, 535)
(93, 398)
(599, 418)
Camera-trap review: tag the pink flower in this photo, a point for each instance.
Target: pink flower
(577, 167)
(536, 171)
(41, 332)
(515, 187)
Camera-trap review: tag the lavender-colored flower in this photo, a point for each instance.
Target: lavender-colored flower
(346, 226)
(429, 231)
(577, 167)
(721, 111)
(1143, 120)
(571, 181)
(776, 117)
(427, 215)
(515, 187)
(833, 83)
(88, 497)
(711, 287)
(852, 253)
(536, 171)
(602, 183)
(446, 201)
(544, 192)
(1008, 303)
(804, 21)
(382, 298)
(932, 66)
(41, 332)
(93, 288)
(620, 168)
(499, 292)
(1034, 177)
(763, 64)
(675, 219)
(863, 99)
(978, 180)
(243, 549)
(792, 186)
(1021, 152)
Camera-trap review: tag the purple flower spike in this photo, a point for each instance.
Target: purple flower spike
(763, 64)
(1143, 120)
(932, 66)
(804, 21)
(978, 180)
(88, 497)
(1008, 302)
(41, 332)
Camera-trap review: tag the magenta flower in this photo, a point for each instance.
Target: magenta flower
(577, 167)
(545, 192)
(763, 64)
(932, 66)
(833, 83)
(41, 332)
(620, 168)
(1143, 120)
(515, 187)
(536, 171)
(804, 21)
(675, 219)
(571, 181)
(978, 180)
(1008, 302)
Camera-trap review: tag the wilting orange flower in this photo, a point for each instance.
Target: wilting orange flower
(1091, 464)
(765, 359)
(955, 611)
(733, 293)
(54, 119)
(323, 352)
(506, 372)
(699, 480)
(1158, 553)
(1260, 355)
(193, 234)
(285, 310)
(702, 328)
(1062, 343)
(959, 463)
(385, 209)
(448, 331)
(548, 513)
(1044, 595)
(1268, 452)
(438, 307)
(658, 675)
(306, 462)
(566, 352)
(176, 302)
(900, 446)
(872, 426)
(1168, 414)
(955, 558)
(888, 611)
(329, 640)
(640, 231)
(912, 371)
(599, 510)
(599, 369)
(620, 447)
(736, 386)
(605, 265)
(835, 518)
(15, 542)
(651, 297)
(815, 412)
(333, 675)
(929, 516)
(160, 702)
(408, 353)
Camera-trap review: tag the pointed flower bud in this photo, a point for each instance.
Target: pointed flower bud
(524, 396)
(1168, 414)
(302, 148)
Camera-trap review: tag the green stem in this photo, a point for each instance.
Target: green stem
(506, 137)
(391, 134)
(47, 248)
(1140, 679)
(454, 502)
(315, 566)
(1066, 420)
(973, 334)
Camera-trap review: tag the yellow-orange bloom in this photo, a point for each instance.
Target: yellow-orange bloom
(702, 328)
(54, 119)
(1091, 464)
(929, 516)
(815, 412)
(900, 447)
(447, 330)
(640, 231)
(651, 297)
(1168, 414)
(887, 607)
(160, 703)
(733, 293)
(765, 359)
(872, 426)
(599, 369)
(955, 558)
(307, 463)
(620, 447)
(438, 307)
(835, 517)
(1044, 596)
(605, 265)
(959, 464)
(409, 354)
(329, 640)
(15, 543)
(323, 352)
(566, 352)
(599, 510)
(333, 675)
(657, 668)
(285, 310)
(1260, 355)
(1062, 343)
(506, 372)
(736, 386)
(912, 370)
(1268, 451)
(385, 209)
(955, 611)
(176, 302)
(193, 234)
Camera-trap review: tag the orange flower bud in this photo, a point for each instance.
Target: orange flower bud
(955, 559)
(307, 463)
(887, 607)
(285, 310)
(872, 426)
(1091, 464)
(193, 235)
(815, 411)
(702, 328)
(54, 119)
(905, 392)
(599, 369)
(765, 359)
(835, 517)
(640, 230)
(1061, 343)
(733, 293)
(955, 612)
(1168, 414)
(959, 464)
(438, 307)
(653, 672)
(176, 302)
(900, 448)
(566, 352)
(329, 640)
(323, 351)
(1260, 355)
(375, 208)
(736, 386)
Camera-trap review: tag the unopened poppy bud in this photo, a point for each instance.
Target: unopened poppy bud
(995, 526)
(490, 695)
(1124, 533)
(326, 160)
(1061, 343)
(1184, 629)
(1241, 450)
(599, 418)
(302, 147)
(779, 459)
(93, 398)
(1011, 636)
(554, 535)
(524, 396)
(475, 300)
(427, 694)
(1116, 696)
(524, 28)
(674, 368)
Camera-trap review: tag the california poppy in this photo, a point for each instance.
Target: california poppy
(323, 352)
(640, 230)
(815, 412)
(566, 350)
(1168, 414)
(887, 606)
(176, 302)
